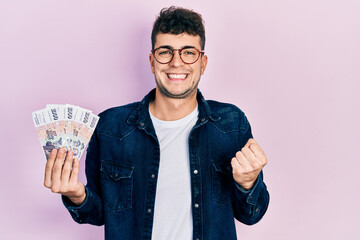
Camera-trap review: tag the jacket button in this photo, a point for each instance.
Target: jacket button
(195, 171)
(152, 175)
(196, 205)
(149, 210)
(142, 124)
(203, 119)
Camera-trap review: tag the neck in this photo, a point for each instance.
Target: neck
(170, 109)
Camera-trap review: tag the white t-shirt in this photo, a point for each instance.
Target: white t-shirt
(172, 213)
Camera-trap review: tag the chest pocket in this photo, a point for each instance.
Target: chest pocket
(117, 185)
(222, 182)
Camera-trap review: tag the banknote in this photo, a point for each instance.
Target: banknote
(64, 125)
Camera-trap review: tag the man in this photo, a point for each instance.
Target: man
(173, 166)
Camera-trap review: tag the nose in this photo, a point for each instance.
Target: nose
(176, 60)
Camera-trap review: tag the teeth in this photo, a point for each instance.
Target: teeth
(177, 76)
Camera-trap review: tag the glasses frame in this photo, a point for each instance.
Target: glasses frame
(179, 50)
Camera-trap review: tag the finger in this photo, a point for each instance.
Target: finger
(56, 170)
(236, 166)
(248, 142)
(254, 162)
(75, 171)
(251, 140)
(48, 168)
(243, 162)
(65, 173)
(248, 154)
(255, 148)
(259, 153)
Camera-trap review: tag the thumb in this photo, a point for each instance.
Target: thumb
(249, 142)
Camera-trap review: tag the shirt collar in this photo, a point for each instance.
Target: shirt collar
(141, 115)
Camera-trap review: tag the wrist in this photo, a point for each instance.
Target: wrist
(247, 186)
(78, 199)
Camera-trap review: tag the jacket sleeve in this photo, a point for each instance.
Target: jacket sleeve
(91, 210)
(250, 205)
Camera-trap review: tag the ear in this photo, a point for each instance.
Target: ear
(204, 61)
(152, 62)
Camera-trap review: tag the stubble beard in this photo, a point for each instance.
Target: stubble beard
(187, 93)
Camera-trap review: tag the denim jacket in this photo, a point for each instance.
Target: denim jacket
(122, 163)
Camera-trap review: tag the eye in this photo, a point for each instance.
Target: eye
(164, 52)
(189, 52)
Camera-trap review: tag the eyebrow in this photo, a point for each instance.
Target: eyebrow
(170, 47)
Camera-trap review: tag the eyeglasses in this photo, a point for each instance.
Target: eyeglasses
(188, 55)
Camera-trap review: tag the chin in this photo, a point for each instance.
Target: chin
(177, 94)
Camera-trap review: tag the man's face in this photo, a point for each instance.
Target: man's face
(177, 79)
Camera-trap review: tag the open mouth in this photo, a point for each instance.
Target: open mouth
(177, 76)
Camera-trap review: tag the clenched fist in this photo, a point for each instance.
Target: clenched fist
(248, 163)
(61, 175)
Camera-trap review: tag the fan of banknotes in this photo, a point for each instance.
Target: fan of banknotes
(64, 125)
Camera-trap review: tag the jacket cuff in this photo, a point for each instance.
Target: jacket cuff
(77, 212)
(252, 194)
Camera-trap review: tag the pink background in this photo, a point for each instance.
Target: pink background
(292, 66)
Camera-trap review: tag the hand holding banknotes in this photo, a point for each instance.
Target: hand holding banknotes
(62, 176)
(64, 130)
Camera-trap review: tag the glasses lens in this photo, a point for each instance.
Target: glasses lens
(189, 55)
(163, 55)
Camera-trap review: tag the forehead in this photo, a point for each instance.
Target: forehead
(177, 41)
